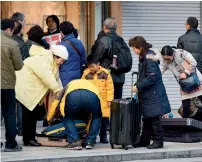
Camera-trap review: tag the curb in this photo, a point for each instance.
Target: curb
(122, 157)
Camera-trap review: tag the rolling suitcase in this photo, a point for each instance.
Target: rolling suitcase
(184, 130)
(125, 121)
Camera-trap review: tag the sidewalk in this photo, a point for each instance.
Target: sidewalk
(101, 153)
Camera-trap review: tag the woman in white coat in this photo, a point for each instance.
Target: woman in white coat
(38, 76)
(182, 64)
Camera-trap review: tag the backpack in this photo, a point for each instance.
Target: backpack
(122, 51)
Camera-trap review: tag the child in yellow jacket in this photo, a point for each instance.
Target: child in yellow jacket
(102, 79)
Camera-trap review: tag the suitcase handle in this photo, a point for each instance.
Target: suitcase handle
(133, 73)
(55, 139)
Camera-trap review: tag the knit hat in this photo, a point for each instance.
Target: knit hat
(60, 51)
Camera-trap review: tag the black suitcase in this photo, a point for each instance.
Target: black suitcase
(184, 130)
(125, 121)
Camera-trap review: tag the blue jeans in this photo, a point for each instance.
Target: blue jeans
(19, 116)
(8, 106)
(79, 103)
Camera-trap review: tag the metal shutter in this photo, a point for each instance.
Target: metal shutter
(160, 23)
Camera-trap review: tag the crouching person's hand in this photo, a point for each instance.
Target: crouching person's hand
(135, 89)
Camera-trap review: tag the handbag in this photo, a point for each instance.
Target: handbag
(190, 83)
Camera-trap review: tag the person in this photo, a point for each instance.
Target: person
(78, 98)
(195, 109)
(191, 41)
(71, 69)
(101, 78)
(19, 17)
(181, 63)
(152, 94)
(35, 35)
(105, 50)
(38, 77)
(11, 61)
(24, 53)
(53, 24)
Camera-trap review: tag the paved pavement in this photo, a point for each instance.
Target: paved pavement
(101, 153)
(171, 160)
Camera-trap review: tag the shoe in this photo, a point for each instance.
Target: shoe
(89, 146)
(16, 149)
(74, 146)
(155, 145)
(104, 141)
(32, 143)
(139, 145)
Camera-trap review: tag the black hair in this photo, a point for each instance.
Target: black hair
(91, 60)
(67, 27)
(36, 34)
(192, 22)
(18, 27)
(17, 16)
(167, 51)
(55, 19)
(140, 43)
(6, 24)
(75, 32)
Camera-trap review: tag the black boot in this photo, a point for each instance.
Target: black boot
(32, 143)
(156, 145)
(103, 131)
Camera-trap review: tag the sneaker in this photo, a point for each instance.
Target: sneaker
(89, 146)
(16, 149)
(74, 146)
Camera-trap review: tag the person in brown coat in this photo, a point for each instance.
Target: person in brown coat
(11, 61)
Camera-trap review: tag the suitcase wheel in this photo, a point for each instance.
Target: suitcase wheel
(125, 147)
(112, 146)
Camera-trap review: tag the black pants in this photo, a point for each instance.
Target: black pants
(8, 106)
(29, 121)
(151, 128)
(186, 107)
(103, 128)
(118, 90)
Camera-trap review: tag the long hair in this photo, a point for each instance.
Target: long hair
(140, 43)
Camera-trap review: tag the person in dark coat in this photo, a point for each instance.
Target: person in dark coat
(103, 52)
(53, 24)
(191, 41)
(152, 94)
(24, 53)
(71, 69)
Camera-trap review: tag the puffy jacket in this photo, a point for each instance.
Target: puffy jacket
(23, 46)
(103, 51)
(38, 75)
(151, 90)
(191, 41)
(103, 81)
(71, 69)
(11, 60)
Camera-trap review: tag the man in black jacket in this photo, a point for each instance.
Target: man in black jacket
(17, 36)
(191, 41)
(103, 52)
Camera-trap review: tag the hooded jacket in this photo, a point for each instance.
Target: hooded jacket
(151, 90)
(37, 77)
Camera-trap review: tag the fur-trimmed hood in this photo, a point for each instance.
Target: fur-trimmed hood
(156, 56)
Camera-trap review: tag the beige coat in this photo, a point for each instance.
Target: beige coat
(11, 61)
(37, 77)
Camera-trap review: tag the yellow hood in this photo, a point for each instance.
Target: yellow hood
(38, 51)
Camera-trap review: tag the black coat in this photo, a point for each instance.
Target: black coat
(23, 46)
(103, 52)
(191, 41)
(151, 90)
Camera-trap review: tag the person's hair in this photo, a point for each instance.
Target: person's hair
(91, 60)
(192, 22)
(110, 24)
(167, 51)
(35, 34)
(67, 27)
(55, 19)
(17, 16)
(140, 43)
(75, 32)
(6, 24)
(18, 27)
